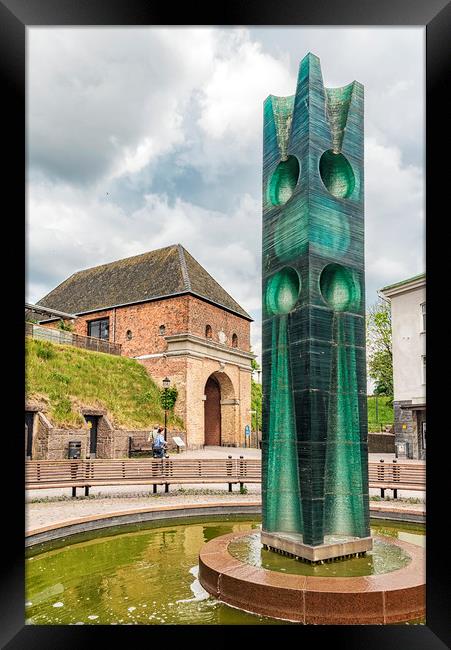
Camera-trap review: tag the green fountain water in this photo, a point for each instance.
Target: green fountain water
(147, 574)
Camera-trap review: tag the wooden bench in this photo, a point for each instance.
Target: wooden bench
(395, 476)
(48, 474)
(139, 446)
(135, 448)
(41, 474)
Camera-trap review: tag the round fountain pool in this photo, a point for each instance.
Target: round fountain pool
(147, 573)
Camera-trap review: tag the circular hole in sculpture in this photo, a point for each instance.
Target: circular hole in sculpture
(336, 174)
(339, 287)
(283, 181)
(282, 291)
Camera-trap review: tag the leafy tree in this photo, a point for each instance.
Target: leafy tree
(256, 398)
(379, 346)
(168, 397)
(256, 405)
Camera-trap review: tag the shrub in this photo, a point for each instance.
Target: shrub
(45, 351)
(168, 397)
(66, 327)
(58, 376)
(62, 408)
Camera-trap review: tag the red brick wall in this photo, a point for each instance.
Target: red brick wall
(201, 314)
(179, 315)
(143, 320)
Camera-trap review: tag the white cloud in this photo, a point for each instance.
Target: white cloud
(243, 76)
(110, 109)
(227, 245)
(108, 100)
(394, 216)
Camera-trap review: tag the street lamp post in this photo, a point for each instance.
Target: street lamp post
(256, 424)
(256, 415)
(253, 413)
(166, 382)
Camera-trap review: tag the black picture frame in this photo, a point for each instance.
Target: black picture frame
(15, 16)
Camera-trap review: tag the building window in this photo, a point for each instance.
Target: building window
(162, 330)
(99, 329)
(234, 341)
(129, 335)
(423, 317)
(423, 369)
(208, 332)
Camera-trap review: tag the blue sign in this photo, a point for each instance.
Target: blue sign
(247, 430)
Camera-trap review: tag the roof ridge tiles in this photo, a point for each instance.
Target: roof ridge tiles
(184, 267)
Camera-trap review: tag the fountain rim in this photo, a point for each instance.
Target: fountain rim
(387, 598)
(360, 583)
(88, 523)
(68, 527)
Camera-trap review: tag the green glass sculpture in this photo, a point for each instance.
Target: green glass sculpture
(315, 455)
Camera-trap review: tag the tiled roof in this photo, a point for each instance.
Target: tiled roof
(162, 273)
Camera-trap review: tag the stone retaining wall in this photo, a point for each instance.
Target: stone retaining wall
(381, 443)
(52, 443)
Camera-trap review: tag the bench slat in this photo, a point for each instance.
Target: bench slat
(151, 471)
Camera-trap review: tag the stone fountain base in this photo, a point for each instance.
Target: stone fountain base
(387, 598)
(334, 548)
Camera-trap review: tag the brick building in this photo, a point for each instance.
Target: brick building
(167, 312)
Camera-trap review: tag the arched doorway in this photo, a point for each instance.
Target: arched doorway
(212, 412)
(221, 410)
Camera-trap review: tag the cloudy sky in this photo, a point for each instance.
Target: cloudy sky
(143, 137)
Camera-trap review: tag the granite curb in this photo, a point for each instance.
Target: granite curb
(85, 523)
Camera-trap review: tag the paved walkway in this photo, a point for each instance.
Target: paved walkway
(236, 452)
(44, 513)
(219, 452)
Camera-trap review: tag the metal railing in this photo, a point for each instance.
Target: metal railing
(63, 337)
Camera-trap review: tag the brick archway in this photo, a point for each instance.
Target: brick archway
(219, 394)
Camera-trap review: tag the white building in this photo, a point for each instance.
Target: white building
(408, 313)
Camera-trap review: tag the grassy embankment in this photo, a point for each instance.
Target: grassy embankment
(385, 412)
(66, 377)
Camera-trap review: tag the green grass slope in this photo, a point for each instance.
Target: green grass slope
(66, 378)
(385, 412)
